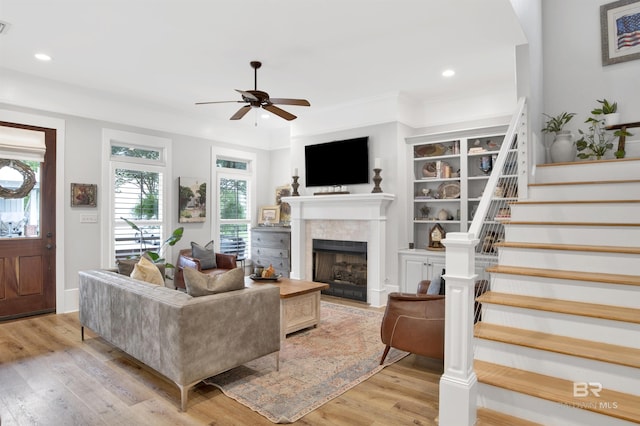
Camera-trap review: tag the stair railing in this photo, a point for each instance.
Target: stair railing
(458, 384)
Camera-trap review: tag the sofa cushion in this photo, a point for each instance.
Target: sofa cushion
(205, 254)
(146, 270)
(199, 284)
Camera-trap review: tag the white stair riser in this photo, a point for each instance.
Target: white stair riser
(585, 172)
(587, 328)
(578, 212)
(608, 191)
(578, 291)
(622, 236)
(573, 368)
(583, 261)
(540, 410)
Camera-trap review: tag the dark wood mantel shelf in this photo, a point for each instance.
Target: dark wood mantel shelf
(623, 127)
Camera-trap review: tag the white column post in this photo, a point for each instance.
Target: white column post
(458, 384)
(298, 241)
(376, 264)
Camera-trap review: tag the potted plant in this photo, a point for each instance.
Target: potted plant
(597, 140)
(594, 142)
(557, 123)
(562, 149)
(609, 110)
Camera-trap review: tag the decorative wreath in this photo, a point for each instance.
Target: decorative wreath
(28, 179)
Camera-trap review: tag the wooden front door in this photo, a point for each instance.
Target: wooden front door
(27, 234)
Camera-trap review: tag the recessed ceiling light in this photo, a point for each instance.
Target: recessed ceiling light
(448, 73)
(42, 57)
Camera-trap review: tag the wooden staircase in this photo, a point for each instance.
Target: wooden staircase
(559, 340)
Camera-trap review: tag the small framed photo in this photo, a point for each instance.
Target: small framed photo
(84, 195)
(620, 31)
(269, 215)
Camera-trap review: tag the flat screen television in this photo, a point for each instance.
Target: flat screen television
(344, 162)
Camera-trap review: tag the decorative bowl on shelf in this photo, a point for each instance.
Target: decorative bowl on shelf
(449, 190)
(430, 150)
(429, 170)
(272, 278)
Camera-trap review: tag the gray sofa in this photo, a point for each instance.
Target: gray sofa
(186, 339)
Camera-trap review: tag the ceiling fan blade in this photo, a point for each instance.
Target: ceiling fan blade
(279, 112)
(241, 112)
(285, 101)
(247, 95)
(218, 102)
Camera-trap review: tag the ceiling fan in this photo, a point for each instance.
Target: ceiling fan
(258, 99)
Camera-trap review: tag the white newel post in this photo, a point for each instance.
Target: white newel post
(458, 384)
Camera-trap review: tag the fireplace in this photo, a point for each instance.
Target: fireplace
(353, 217)
(342, 265)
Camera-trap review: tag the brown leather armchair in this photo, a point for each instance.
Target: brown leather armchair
(224, 263)
(414, 323)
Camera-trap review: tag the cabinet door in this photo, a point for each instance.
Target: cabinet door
(415, 271)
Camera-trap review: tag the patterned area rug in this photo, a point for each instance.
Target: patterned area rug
(316, 365)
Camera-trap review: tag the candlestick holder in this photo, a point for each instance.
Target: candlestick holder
(295, 186)
(377, 179)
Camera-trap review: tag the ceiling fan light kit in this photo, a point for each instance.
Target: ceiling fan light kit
(258, 99)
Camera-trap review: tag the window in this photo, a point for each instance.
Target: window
(234, 178)
(19, 209)
(137, 171)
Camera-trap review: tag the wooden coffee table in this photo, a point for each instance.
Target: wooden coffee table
(299, 303)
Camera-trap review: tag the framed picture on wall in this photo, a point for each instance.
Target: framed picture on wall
(192, 200)
(620, 31)
(84, 195)
(269, 215)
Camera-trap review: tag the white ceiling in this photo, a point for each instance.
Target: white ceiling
(174, 53)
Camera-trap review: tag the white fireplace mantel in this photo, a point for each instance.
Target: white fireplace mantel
(343, 207)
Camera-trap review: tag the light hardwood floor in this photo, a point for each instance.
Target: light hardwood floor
(48, 376)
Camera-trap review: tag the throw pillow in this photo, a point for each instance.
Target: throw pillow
(199, 284)
(125, 266)
(146, 270)
(205, 254)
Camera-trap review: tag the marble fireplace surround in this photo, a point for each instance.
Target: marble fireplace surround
(345, 217)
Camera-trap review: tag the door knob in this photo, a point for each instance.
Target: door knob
(49, 246)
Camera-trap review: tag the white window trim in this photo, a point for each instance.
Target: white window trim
(252, 171)
(137, 140)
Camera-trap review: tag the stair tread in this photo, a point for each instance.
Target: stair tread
(570, 247)
(605, 352)
(594, 310)
(627, 406)
(487, 417)
(598, 277)
(585, 182)
(587, 163)
(532, 202)
(554, 223)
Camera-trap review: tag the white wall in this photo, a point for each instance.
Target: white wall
(574, 77)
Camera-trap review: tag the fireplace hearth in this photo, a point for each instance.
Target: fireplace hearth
(342, 265)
